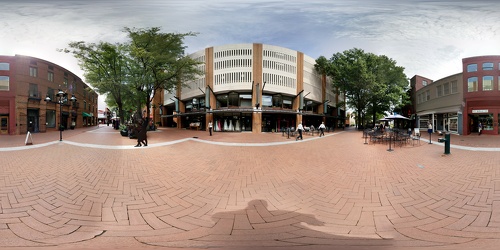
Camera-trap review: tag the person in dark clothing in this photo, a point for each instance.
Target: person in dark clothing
(142, 136)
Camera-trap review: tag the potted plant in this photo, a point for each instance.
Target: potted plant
(123, 130)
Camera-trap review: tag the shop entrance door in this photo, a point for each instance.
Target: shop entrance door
(33, 120)
(4, 125)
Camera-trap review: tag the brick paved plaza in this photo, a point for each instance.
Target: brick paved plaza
(188, 190)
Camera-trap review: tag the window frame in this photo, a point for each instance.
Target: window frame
(490, 83)
(475, 87)
(472, 67)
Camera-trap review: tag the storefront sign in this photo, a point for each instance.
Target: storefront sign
(474, 111)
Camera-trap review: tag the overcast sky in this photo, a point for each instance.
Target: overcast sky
(427, 38)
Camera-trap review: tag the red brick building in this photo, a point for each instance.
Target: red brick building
(26, 82)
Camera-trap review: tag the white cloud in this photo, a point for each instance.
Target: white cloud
(428, 38)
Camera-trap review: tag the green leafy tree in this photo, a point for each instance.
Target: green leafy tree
(104, 66)
(158, 61)
(370, 82)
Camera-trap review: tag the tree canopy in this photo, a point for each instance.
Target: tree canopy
(130, 73)
(371, 83)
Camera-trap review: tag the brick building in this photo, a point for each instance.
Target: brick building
(26, 82)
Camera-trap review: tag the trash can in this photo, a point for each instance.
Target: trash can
(447, 144)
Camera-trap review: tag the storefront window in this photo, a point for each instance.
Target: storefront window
(487, 121)
(453, 124)
(51, 119)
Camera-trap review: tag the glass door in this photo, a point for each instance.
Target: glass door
(4, 125)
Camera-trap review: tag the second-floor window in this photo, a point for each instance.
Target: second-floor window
(50, 76)
(487, 83)
(472, 84)
(33, 71)
(4, 83)
(439, 90)
(446, 88)
(33, 91)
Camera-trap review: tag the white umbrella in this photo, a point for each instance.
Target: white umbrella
(394, 117)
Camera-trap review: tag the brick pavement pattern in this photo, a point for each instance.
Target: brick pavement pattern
(238, 190)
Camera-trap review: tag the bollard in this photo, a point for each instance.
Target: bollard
(447, 144)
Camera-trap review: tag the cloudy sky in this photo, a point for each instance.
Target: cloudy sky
(426, 37)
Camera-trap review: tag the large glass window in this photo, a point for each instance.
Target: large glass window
(487, 83)
(472, 84)
(246, 100)
(267, 101)
(4, 66)
(472, 67)
(222, 101)
(487, 121)
(287, 102)
(4, 83)
(233, 99)
(51, 118)
(488, 66)
(277, 101)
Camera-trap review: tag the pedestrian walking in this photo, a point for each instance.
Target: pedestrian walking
(299, 129)
(480, 127)
(142, 136)
(322, 129)
(210, 127)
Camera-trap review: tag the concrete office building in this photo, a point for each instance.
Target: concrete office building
(252, 87)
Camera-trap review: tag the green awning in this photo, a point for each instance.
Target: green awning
(86, 114)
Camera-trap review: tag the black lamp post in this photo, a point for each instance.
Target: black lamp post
(62, 97)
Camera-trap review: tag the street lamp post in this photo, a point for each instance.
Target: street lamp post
(62, 97)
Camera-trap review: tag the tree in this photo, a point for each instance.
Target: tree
(104, 67)
(157, 61)
(370, 82)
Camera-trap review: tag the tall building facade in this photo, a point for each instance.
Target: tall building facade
(25, 84)
(460, 102)
(252, 87)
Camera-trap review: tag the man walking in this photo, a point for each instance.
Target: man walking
(322, 129)
(299, 129)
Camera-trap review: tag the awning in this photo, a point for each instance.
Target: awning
(86, 114)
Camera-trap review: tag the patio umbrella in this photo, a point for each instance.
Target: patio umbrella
(395, 117)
